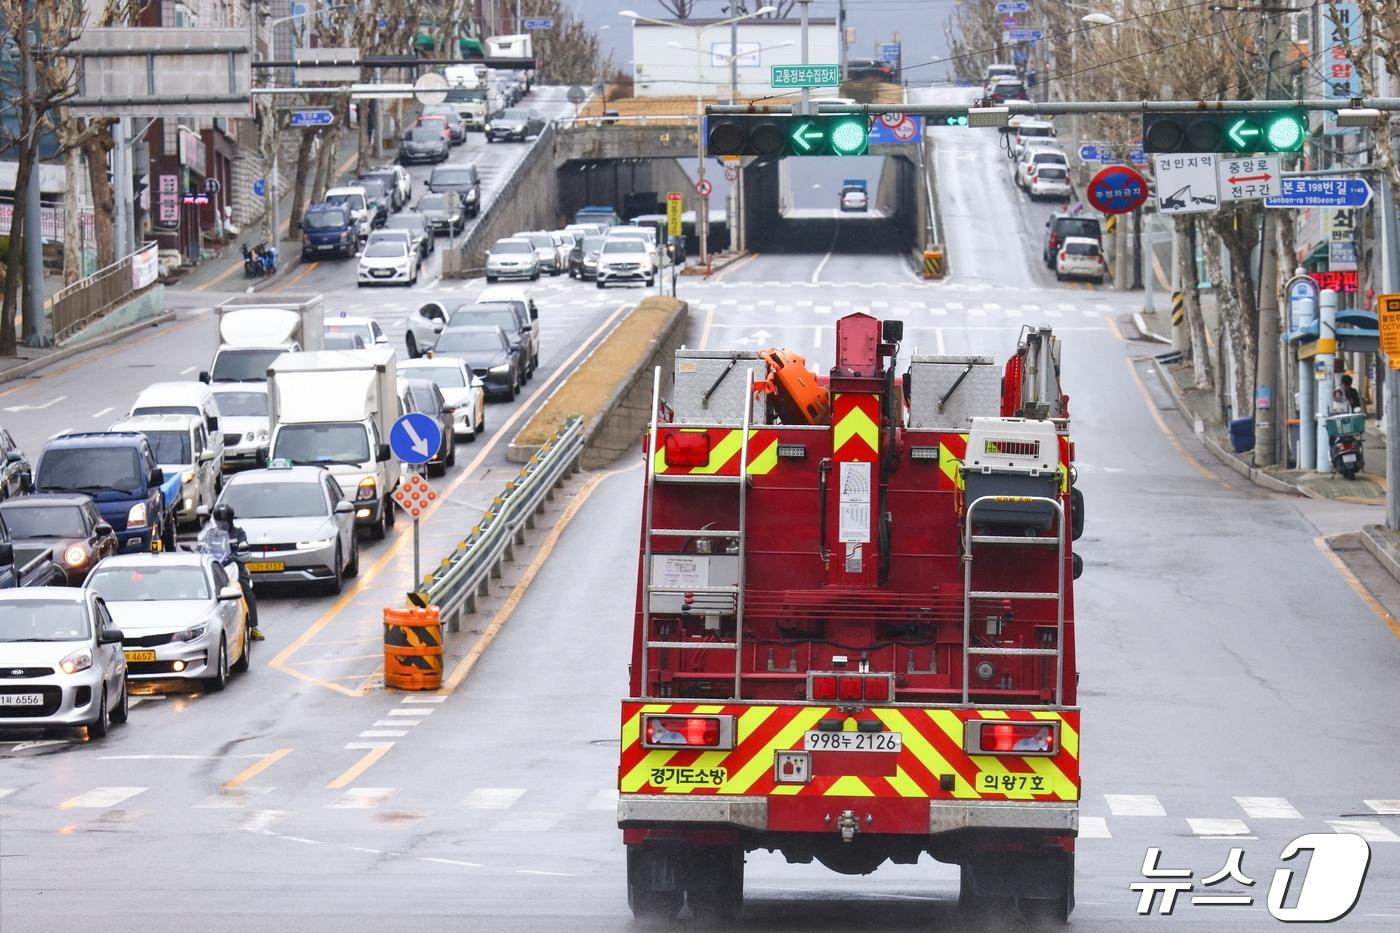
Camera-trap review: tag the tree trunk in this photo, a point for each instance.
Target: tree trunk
(72, 229)
(13, 261)
(96, 147)
(325, 158)
(1234, 325)
(299, 185)
(1201, 369)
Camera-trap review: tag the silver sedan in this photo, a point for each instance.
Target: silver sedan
(181, 616)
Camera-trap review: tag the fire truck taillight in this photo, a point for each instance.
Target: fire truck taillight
(662, 731)
(688, 448)
(1001, 737)
(851, 688)
(877, 689)
(823, 687)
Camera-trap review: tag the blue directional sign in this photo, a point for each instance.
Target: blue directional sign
(311, 118)
(1322, 192)
(889, 52)
(1024, 35)
(415, 437)
(1089, 152)
(1015, 6)
(259, 188)
(1136, 156)
(539, 24)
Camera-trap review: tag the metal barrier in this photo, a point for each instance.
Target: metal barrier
(464, 575)
(85, 300)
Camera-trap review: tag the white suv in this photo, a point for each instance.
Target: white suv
(624, 259)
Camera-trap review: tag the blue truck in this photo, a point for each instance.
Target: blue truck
(118, 470)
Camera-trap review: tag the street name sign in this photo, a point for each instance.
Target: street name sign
(1322, 192)
(1014, 6)
(311, 118)
(1089, 152)
(1249, 178)
(541, 23)
(1186, 184)
(1024, 35)
(806, 76)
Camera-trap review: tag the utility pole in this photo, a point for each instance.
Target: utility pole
(806, 92)
(1390, 263)
(841, 51)
(1266, 402)
(35, 324)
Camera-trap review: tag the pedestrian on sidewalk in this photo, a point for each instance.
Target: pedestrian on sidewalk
(1353, 397)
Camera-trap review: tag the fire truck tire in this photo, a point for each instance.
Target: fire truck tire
(715, 890)
(646, 903)
(1053, 909)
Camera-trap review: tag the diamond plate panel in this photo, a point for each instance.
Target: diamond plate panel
(698, 370)
(977, 396)
(744, 812)
(948, 816)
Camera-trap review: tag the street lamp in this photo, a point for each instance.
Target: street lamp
(702, 216)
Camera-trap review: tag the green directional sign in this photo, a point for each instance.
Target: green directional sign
(806, 76)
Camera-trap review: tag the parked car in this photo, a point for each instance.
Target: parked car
(869, 69)
(456, 126)
(387, 262)
(1025, 130)
(16, 475)
(489, 353)
(181, 447)
(328, 229)
(444, 212)
(1031, 160)
(365, 328)
(436, 121)
(119, 471)
(1051, 181)
(545, 250)
(416, 224)
(518, 123)
(507, 317)
(461, 178)
(512, 258)
(424, 397)
(244, 422)
(1079, 257)
(181, 616)
(357, 199)
(583, 258)
(462, 390)
(1061, 225)
(424, 144)
(70, 650)
(67, 524)
(424, 325)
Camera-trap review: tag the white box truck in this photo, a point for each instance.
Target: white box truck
(256, 329)
(514, 46)
(466, 93)
(334, 408)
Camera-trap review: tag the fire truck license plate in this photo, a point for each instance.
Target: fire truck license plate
(853, 742)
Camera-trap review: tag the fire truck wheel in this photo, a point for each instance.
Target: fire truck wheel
(1053, 909)
(647, 904)
(716, 886)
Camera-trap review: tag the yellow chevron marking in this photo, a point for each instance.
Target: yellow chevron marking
(658, 460)
(761, 762)
(950, 465)
(765, 462)
(924, 751)
(721, 453)
(848, 786)
(994, 714)
(1069, 739)
(904, 785)
(855, 423)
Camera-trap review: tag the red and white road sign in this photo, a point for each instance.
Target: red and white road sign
(703, 187)
(414, 494)
(731, 173)
(905, 129)
(893, 120)
(674, 196)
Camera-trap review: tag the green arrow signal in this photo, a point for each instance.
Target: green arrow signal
(1239, 130)
(806, 136)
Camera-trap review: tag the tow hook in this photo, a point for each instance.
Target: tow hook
(848, 824)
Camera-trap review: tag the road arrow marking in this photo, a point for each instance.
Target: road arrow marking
(49, 404)
(1265, 177)
(419, 445)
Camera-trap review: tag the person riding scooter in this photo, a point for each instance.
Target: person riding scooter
(228, 543)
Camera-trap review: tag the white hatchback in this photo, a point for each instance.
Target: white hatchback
(1080, 257)
(388, 262)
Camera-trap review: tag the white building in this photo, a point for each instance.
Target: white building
(664, 58)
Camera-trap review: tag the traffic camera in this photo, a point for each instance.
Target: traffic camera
(1202, 131)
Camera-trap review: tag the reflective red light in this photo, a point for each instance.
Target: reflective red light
(877, 689)
(684, 730)
(824, 687)
(1017, 737)
(850, 688)
(687, 448)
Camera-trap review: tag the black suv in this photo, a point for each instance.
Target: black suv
(869, 69)
(462, 179)
(1062, 225)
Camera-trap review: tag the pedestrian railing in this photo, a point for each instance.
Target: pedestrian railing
(74, 306)
(462, 577)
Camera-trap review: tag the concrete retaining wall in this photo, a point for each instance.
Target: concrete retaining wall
(528, 201)
(628, 414)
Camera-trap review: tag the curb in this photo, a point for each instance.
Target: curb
(63, 353)
(1373, 539)
(1141, 324)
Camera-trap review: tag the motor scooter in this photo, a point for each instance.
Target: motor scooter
(1345, 443)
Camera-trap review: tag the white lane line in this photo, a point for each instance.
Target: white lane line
(1268, 808)
(1134, 805)
(1094, 827)
(100, 797)
(362, 798)
(382, 734)
(1051, 312)
(1066, 306)
(493, 798)
(817, 336)
(605, 799)
(410, 712)
(982, 312)
(1216, 828)
(7, 791)
(547, 874)
(367, 851)
(955, 305)
(1384, 807)
(365, 746)
(821, 309)
(533, 821)
(1370, 830)
(938, 338)
(187, 370)
(100, 413)
(938, 312)
(422, 699)
(450, 861)
(835, 232)
(304, 840)
(49, 404)
(1014, 312)
(232, 798)
(261, 821)
(397, 723)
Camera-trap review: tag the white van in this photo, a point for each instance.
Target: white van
(183, 446)
(184, 398)
(357, 198)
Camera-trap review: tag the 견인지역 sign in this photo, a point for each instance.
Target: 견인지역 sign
(1117, 189)
(674, 204)
(1186, 184)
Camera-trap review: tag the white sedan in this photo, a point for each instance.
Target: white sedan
(1080, 256)
(181, 616)
(462, 390)
(424, 325)
(388, 261)
(855, 199)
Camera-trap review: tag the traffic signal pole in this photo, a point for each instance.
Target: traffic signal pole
(1052, 108)
(1390, 265)
(1268, 406)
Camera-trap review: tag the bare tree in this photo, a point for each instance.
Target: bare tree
(569, 52)
(680, 9)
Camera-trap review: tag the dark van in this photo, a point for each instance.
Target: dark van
(462, 179)
(1060, 226)
(327, 228)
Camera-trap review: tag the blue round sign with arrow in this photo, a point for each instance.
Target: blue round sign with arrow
(415, 437)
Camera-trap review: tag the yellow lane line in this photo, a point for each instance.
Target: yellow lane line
(1166, 431)
(301, 274)
(359, 767)
(401, 539)
(464, 666)
(1324, 544)
(350, 657)
(253, 770)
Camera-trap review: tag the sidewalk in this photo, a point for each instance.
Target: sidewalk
(1369, 488)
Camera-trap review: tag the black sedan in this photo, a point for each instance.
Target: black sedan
(444, 211)
(583, 258)
(419, 226)
(424, 144)
(489, 353)
(68, 524)
(514, 123)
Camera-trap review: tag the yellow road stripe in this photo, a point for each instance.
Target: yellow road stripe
(359, 767)
(1166, 431)
(253, 770)
(1323, 545)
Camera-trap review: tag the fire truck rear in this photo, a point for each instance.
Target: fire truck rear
(853, 635)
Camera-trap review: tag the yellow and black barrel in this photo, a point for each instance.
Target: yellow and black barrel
(933, 263)
(413, 649)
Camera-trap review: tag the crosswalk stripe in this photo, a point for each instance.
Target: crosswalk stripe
(6, 791)
(821, 309)
(1384, 807)
(1370, 830)
(605, 799)
(938, 312)
(1217, 827)
(100, 797)
(1014, 312)
(1134, 805)
(977, 312)
(432, 699)
(410, 712)
(1094, 827)
(1051, 312)
(493, 798)
(361, 798)
(383, 734)
(261, 821)
(1268, 808)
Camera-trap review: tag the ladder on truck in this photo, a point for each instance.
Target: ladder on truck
(969, 594)
(650, 532)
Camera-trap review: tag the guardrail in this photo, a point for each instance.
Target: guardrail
(86, 299)
(464, 575)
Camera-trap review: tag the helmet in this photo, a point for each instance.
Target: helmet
(223, 514)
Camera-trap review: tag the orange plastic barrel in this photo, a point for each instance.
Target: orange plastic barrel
(413, 649)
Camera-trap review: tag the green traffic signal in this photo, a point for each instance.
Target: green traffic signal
(848, 136)
(955, 120)
(1196, 131)
(775, 136)
(1286, 132)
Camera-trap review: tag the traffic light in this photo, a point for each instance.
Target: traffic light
(951, 119)
(776, 137)
(1214, 131)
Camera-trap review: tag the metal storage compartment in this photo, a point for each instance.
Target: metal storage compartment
(1012, 457)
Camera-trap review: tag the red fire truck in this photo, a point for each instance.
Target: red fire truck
(853, 635)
